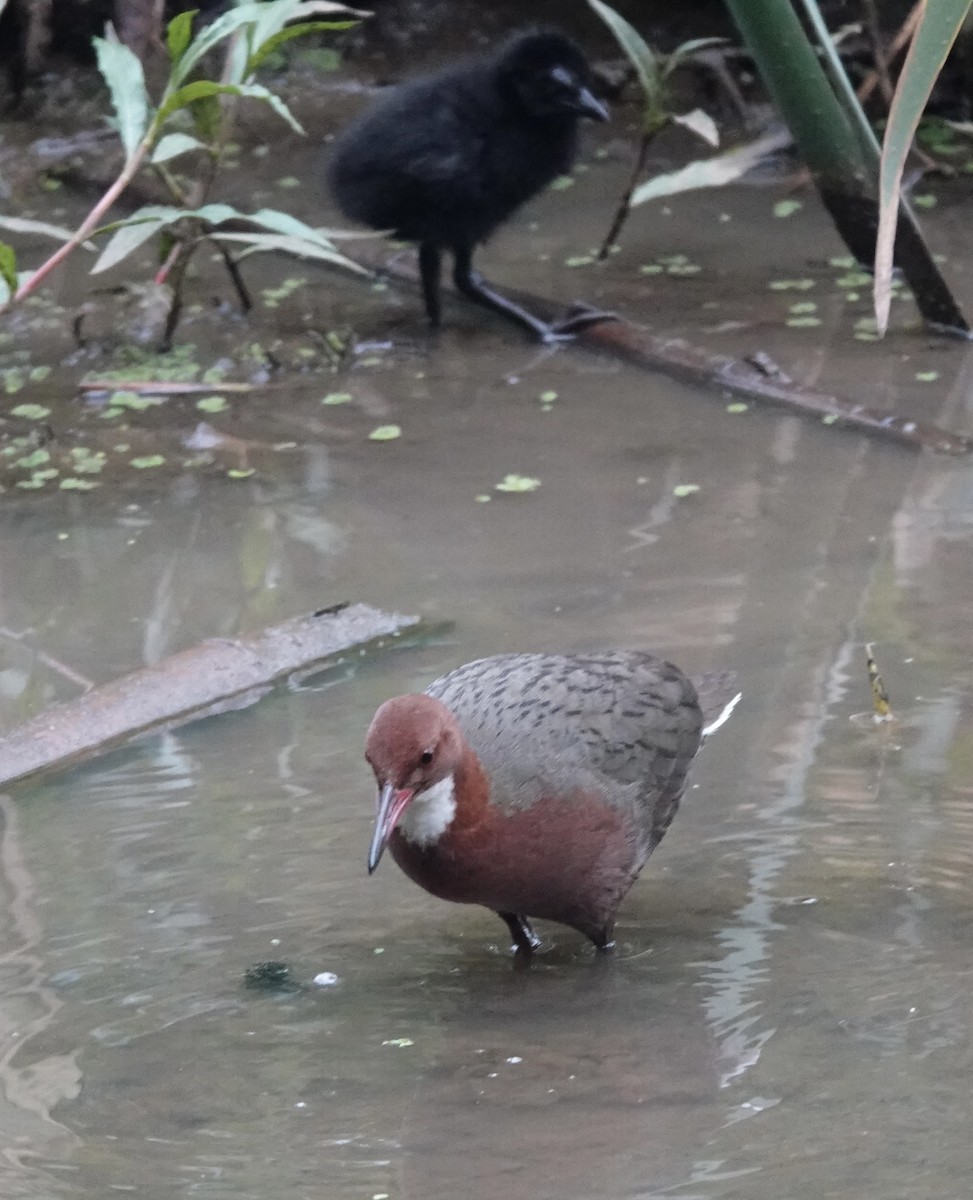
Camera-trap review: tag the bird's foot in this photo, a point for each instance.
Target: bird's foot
(579, 316)
(525, 939)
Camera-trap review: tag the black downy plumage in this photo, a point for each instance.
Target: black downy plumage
(444, 159)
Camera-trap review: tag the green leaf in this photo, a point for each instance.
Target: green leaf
(701, 123)
(288, 34)
(133, 400)
(269, 20)
(148, 460)
(208, 38)
(689, 49)
(8, 266)
(385, 433)
(639, 53)
(257, 242)
(685, 489)
(35, 459)
(262, 22)
(123, 73)
(207, 117)
(939, 24)
(212, 404)
(178, 33)
(30, 412)
(708, 172)
(787, 208)
(72, 484)
(174, 144)
(128, 238)
(23, 225)
(517, 483)
(204, 87)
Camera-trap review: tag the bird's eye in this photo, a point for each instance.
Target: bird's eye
(425, 758)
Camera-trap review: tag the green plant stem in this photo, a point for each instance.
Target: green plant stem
(174, 269)
(800, 89)
(841, 84)
(625, 203)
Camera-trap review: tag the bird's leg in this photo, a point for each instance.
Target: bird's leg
(430, 261)
(525, 939)
(603, 939)
(473, 285)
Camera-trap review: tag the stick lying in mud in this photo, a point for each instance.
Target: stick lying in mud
(756, 378)
(219, 675)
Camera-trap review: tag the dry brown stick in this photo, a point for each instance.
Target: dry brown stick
(750, 380)
(901, 39)
(55, 664)
(161, 387)
(219, 675)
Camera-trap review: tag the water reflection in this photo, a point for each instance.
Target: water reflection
(789, 1011)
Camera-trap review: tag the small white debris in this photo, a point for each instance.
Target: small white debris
(514, 1058)
(325, 979)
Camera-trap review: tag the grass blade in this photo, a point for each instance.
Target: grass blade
(938, 26)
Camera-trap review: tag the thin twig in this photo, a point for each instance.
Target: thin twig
(55, 665)
(896, 46)
(881, 68)
(625, 203)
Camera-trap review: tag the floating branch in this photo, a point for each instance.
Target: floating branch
(219, 675)
(756, 378)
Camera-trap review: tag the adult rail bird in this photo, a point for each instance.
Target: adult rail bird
(539, 784)
(444, 159)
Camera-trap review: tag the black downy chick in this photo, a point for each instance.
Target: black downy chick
(444, 159)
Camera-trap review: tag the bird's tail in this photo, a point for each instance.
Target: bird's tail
(718, 697)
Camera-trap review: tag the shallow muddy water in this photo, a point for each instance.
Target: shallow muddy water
(788, 1012)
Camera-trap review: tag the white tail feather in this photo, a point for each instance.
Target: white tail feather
(723, 717)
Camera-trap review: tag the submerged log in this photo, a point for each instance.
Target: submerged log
(755, 378)
(219, 675)
(759, 379)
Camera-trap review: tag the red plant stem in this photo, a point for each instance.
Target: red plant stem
(87, 226)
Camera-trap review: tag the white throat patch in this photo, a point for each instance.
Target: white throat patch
(429, 813)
